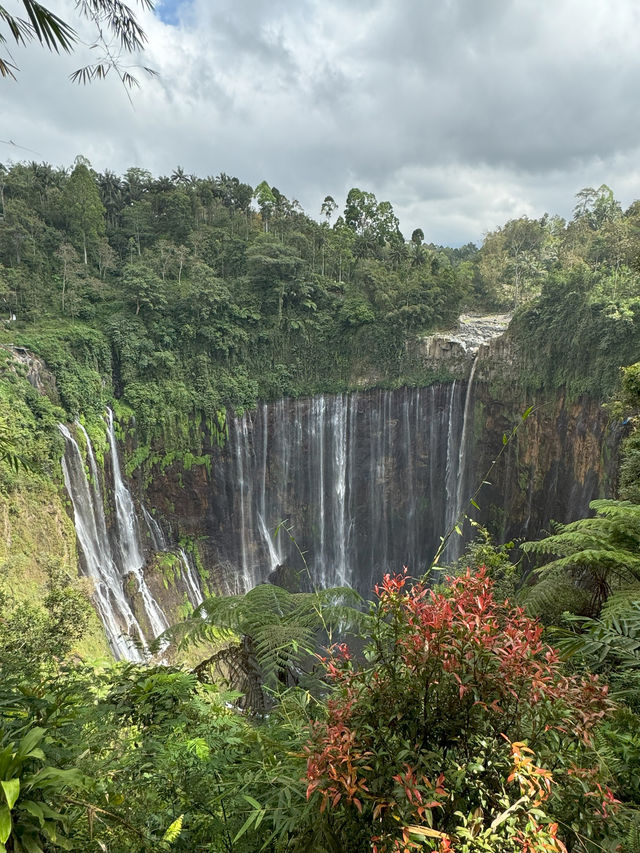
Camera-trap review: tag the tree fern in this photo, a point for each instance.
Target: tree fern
(270, 632)
(601, 552)
(554, 593)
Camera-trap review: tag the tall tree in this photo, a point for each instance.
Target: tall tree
(84, 209)
(267, 200)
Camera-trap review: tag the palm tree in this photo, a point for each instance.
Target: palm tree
(114, 22)
(179, 176)
(110, 187)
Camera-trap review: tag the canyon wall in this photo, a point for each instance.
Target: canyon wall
(367, 482)
(334, 489)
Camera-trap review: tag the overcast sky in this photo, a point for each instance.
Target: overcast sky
(462, 113)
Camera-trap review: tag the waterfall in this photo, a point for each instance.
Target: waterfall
(132, 560)
(243, 487)
(120, 624)
(366, 482)
(156, 533)
(463, 440)
(317, 455)
(194, 592)
(339, 491)
(189, 575)
(456, 472)
(111, 561)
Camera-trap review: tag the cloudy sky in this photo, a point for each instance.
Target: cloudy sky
(462, 113)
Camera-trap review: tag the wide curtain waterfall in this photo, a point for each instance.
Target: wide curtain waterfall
(362, 483)
(318, 491)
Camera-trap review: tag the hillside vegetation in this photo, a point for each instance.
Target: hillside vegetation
(444, 719)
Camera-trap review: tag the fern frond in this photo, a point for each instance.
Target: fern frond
(281, 630)
(553, 594)
(601, 552)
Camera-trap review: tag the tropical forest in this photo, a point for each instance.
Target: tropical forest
(319, 453)
(316, 538)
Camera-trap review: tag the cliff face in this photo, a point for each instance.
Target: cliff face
(355, 485)
(368, 482)
(562, 458)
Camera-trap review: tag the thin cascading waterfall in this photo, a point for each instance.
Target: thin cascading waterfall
(374, 431)
(317, 463)
(386, 462)
(435, 485)
(364, 481)
(156, 533)
(99, 516)
(121, 626)
(191, 581)
(463, 441)
(240, 478)
(352, 435)
(416, 490)
(339, 508)
(131, 558)
(253, 571)
(271, 542)
(411, 484)
(451, 471)
(456, 485)
(275, 560)
(126, 520)
(160, 543)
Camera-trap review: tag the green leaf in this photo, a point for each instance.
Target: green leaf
(5, 824)
(527, 413)
(173, 830)
(11, 788)
(29, 742)
(251, 801)
(5, 759)
(505, 440)
(473, 503)
(34, 809)
(30, 844)
(245, 826)
(53, 776)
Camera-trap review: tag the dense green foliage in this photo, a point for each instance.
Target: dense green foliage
(584, 325)
(185, 295)
(186, 299)
(179, 297)
(422, 741)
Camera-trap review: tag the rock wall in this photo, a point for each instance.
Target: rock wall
(369, 481)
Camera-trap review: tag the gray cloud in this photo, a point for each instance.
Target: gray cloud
(462, 113)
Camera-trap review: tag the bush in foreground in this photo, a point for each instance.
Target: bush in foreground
(461, 732)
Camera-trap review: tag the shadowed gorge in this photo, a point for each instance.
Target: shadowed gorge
(336, 490)
(368, 482)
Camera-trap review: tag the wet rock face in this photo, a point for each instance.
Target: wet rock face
(562, 458)
(456, 348)
(368, 482)
(360, 483)
(475, 330)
